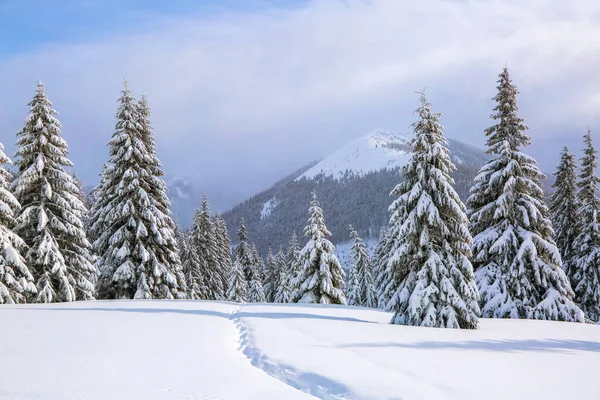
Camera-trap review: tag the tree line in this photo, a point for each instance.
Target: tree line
(439, 262)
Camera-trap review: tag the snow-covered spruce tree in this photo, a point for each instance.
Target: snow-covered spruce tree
(167, 225)
(85, 218)
(259, 264)
(203, 236)
(283, 291)
(585, 268)
(292, 257)
(16, 281)
(136, 246)
(270, 277)
(162, 205)
(517, 265)
(429, 258)
(192, 268)
(223, 249)
(50, 220)
(320, 276)
(244, 255)
(563, 207)
(247, 258)
(382, 279)
(95, 223)
(353, 288)
(237, 290)
(363, 270)
(256, 293)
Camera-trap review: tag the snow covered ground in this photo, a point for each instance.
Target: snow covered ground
(216, 350)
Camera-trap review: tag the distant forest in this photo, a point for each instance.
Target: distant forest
(362, 201)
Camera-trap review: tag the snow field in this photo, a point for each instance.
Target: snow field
(216, 350)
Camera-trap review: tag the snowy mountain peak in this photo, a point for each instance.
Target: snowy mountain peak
(380, 149)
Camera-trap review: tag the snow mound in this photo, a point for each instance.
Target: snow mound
(216, 350)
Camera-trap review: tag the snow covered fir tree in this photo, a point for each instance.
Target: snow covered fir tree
(381, 277)
(192, 268)
(320, 276)
(269, 277)
(432, 282)
(136, 247)
(563, 208)
(518, 266)
(293, 256)
(244, 254)
(16, 281)
(361, 289)
(237, 289)
(223, 244)
(205, 245)
(585, 266)
(50, 219)
(283, 288)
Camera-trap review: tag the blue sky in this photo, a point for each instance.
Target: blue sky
(81, 21)
(245, 91)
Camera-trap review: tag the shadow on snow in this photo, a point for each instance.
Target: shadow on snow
(541, 345)
(266, 315)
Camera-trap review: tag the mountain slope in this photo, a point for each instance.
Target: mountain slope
(353, 185)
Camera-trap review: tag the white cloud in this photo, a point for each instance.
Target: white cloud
(276, 75)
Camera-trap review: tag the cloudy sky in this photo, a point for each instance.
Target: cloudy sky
(245, 91)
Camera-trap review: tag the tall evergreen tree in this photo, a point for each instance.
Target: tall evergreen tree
(50, 220)
(237, 290)
(363, 273)
(585, 269)
(16, 281)
(563, 208)
(518, 267)
(205, 244)
(244, 255)
(353, 285)
(136, 246)
(258, 262)
(320, 278)
(95, 223)
(433, 279)
(192, 268)
(292, 257)
(382, 279)
(256, 293)
(223, 249)
(270, 278)
(283, 290)
(162, 206)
